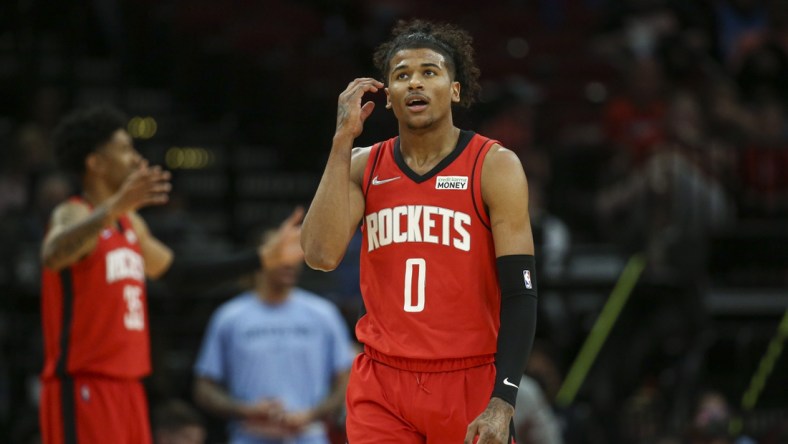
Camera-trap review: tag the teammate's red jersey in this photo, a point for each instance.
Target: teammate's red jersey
(428, 275)
(94, 312)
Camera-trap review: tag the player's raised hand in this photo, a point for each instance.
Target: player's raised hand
(143, 187)
(492, 425)
(284, 247)
(351, 113)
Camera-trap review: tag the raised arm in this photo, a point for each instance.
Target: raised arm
(505, 192)
(338, 205)
(74, 228)
(283, 248)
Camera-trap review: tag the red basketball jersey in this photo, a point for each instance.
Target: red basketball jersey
(428, 273)
(94, 312)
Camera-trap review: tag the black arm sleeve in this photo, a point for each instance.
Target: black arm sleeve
(518, 323)
(210, 270)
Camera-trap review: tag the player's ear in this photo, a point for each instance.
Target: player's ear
(93, 162)
(455, 92)
(388, 98)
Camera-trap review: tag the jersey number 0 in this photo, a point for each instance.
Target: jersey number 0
(419, 267)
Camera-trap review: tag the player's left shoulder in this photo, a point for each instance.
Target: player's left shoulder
(503, 177)
(501, 162)
(500, 154)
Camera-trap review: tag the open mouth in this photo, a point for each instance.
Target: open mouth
(416, 103)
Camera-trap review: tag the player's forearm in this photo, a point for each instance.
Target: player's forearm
(326, 231)
(213, 398)
(517, 280)
(77, 240)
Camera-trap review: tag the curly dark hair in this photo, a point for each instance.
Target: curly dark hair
(82, 131)
(452, 42)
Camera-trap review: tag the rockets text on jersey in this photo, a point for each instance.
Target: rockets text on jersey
(418, 223)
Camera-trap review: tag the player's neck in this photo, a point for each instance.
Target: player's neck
(95, 191)
(423, 150)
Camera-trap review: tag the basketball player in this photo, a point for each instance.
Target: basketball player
(97, 254)
(447, 266)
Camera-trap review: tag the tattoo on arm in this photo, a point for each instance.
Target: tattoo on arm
(67, 246)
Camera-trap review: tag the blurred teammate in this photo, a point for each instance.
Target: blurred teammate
(447, 266)
(97, 254)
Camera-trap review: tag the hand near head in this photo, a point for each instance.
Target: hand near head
(145, 186)
(351, 114)
(284, 247)
(492, 425)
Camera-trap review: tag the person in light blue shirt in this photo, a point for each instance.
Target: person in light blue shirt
(274, 362)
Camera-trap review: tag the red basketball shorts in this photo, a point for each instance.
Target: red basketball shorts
(388, 405)
(90, 409)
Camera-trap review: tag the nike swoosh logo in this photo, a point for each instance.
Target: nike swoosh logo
(375, 180)
(506, 381)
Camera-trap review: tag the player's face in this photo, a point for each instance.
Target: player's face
(420, 88)
(118, 158)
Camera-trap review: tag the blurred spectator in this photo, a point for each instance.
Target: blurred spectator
(711, 421)
(642, 415)
(765, 161)
(275, 362)
(176, 422)
(635, 28)
(761, 64)
(736, 22)
(634, 121)
(675, 199)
